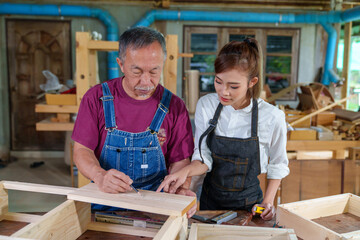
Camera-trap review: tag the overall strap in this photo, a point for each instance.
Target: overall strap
(108, 104)
(254, 118)
(212, 123)
(161, 112)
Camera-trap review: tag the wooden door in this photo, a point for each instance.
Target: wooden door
(34, 46)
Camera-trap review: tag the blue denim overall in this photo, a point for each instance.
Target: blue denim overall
(138, 155)
(232, 184)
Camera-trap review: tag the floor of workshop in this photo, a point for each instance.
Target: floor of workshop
(54, 171)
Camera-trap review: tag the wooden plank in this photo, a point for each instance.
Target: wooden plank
(320, 145)
(346, 57)
(298, 216)
(82, 180)
(183, 231)
(61, 117)
(284, 91)
(302, 134)
(161, 203)
(67, 221)
(304, 228)
(123, 229)
(170, 228)
(227, 232)
(44, 108)
(354, 205)
(103, 45)
(21, 217)
(170, 67)
(190, 55)
(193, 231)
(4, 201)
(321, 110)
(340, 223)
(13, 238)
(319, 207)
(82, 64)
(47, 125)
(312, 155)
(93, 68)
(351, 235)
(40, 188)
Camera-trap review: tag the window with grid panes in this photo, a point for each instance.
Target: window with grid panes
(280, 54)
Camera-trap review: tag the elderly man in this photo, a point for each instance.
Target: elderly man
(132, 130)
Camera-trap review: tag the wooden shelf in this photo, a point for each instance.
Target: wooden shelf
(47, 125)
(103, 45)
(44, 108)
(310, 145)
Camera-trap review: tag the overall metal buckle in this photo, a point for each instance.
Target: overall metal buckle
(110, 129)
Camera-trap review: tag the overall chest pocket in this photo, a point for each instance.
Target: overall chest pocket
(229, 173)
(147, 164)
(114, 158)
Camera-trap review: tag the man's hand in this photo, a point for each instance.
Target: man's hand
(268, 213)
(173, 181)
(113, 181)
(187, 192)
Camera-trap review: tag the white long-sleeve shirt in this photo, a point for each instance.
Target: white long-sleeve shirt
(237, 124)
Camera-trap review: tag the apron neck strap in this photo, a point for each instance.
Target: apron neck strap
(212, 123)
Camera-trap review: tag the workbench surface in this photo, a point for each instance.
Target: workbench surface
(244, 218)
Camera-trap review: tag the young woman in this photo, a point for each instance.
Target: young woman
(237, 137)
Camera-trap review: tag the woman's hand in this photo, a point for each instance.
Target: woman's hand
(173, 181)
(188, 192)
(268, 213)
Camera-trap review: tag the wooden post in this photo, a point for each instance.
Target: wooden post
(170, 67)
(3, 201)
(82, 180)
(93, 68)
(82, 65)
(346, 59)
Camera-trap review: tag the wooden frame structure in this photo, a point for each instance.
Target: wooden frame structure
(212, 232)
(300, 216)
(73, 217)
(86, 75)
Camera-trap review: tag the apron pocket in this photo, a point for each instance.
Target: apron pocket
(229, 173)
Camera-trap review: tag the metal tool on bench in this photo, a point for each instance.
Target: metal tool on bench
(128, 220)
(218, 219)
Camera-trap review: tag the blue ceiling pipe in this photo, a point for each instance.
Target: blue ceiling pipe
(325, 19)
(112, 32)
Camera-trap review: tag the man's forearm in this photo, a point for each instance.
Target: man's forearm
(87, 162)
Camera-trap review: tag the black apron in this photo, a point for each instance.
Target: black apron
(233, 182)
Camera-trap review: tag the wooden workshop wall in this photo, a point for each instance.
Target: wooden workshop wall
(316, 178)
(126, 16)
(128, 13)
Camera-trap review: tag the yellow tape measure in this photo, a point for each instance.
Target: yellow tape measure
(259, 210)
